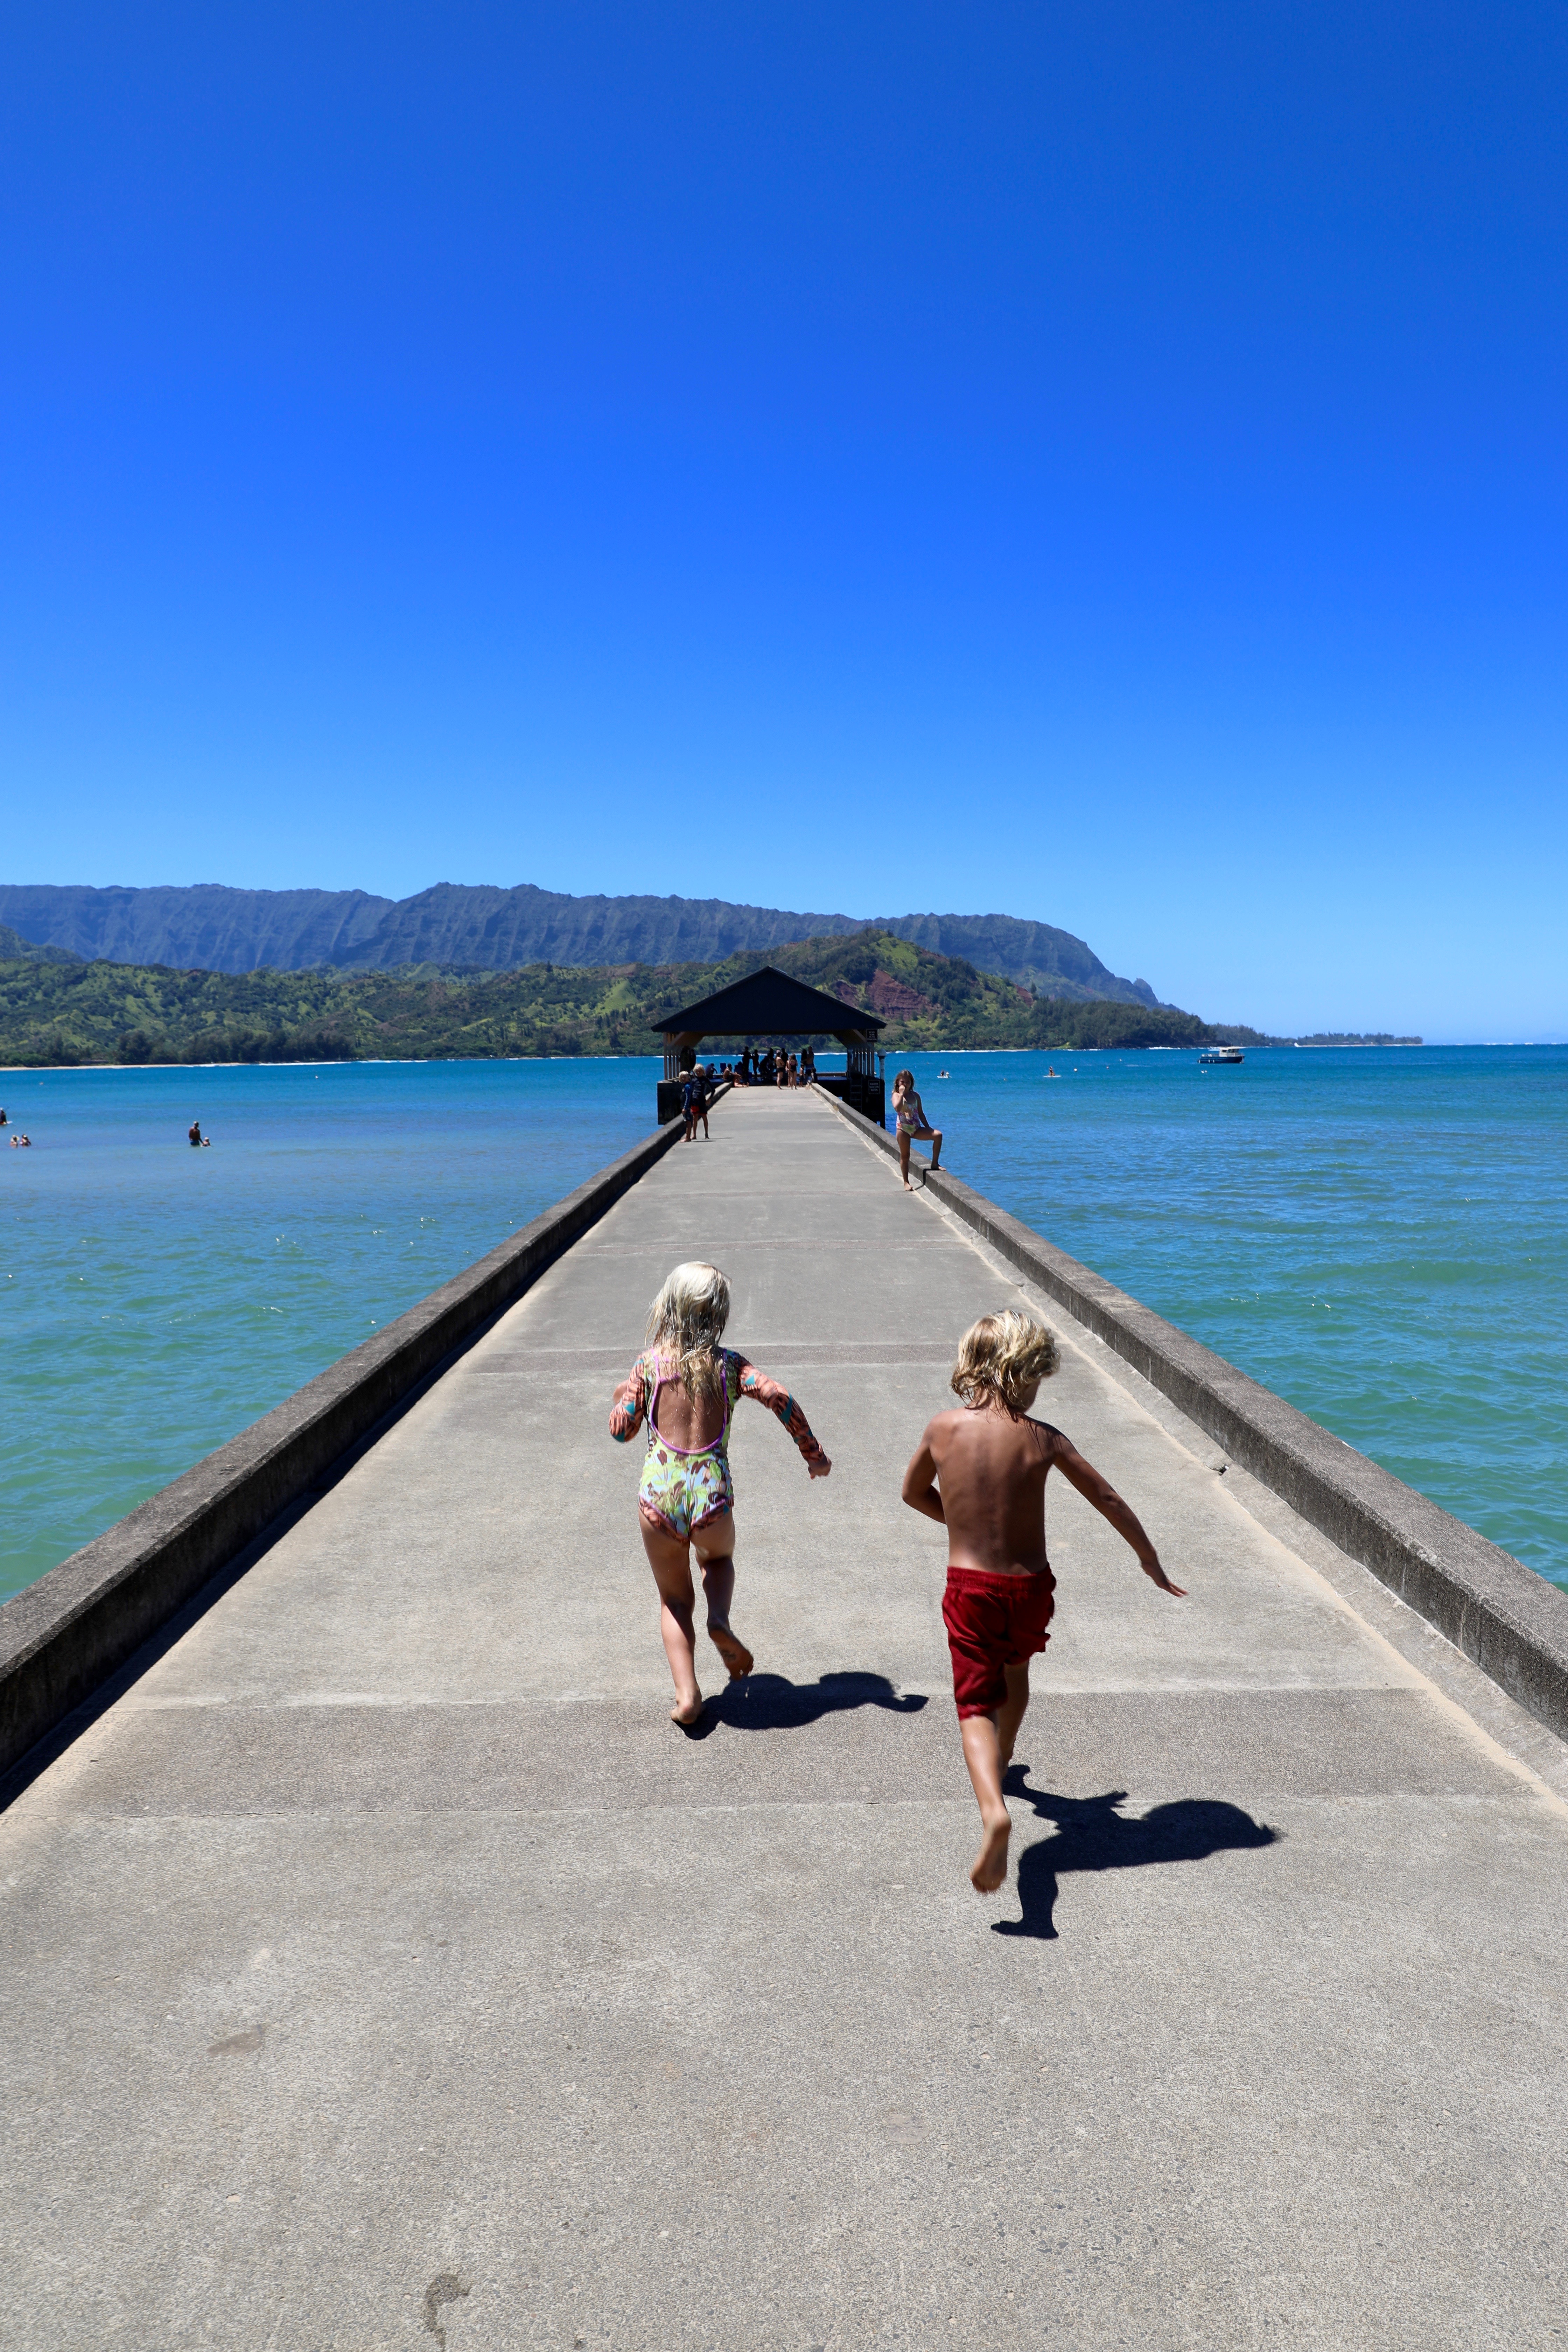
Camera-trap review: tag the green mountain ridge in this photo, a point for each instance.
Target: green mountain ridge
(210, 927)
(58, 1012)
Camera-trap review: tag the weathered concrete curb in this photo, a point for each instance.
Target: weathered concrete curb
(65, 1634)
(1488, 1604)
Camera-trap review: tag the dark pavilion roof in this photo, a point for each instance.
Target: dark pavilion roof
(768, 1003)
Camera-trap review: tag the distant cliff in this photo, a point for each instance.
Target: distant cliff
(210, 927)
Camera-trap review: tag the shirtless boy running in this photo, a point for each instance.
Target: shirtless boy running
(991, 1463)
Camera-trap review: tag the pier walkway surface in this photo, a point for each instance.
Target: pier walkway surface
(383, 1969)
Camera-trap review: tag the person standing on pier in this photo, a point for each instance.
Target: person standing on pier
(909, 1117)
(685, 1386)
(990, 1461)
(694, 1102)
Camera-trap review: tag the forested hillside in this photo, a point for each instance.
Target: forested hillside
(101, 1012)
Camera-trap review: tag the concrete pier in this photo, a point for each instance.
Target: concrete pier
(383, 1969)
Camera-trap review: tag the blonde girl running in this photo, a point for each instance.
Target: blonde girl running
(685, 1386)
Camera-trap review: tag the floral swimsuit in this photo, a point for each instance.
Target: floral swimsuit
(681, 1490)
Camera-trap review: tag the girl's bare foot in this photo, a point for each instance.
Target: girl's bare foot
(687, 1712)
(990, 1863)
(734, 1653)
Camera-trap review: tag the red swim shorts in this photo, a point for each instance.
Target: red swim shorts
(992, 1623)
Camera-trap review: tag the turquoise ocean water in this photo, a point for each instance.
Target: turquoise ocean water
(156, 1299)
(1381, 1236)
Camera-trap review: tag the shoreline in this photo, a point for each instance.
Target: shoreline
(952, 1052)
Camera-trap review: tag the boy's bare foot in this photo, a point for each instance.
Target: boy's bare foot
(734, 1653)
(687, 1712)
(990, 1863)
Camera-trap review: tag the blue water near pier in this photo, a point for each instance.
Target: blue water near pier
(153, 1298)
(1381, 1236)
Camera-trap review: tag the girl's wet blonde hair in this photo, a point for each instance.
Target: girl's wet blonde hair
(1003, 1356)
(686, 1321)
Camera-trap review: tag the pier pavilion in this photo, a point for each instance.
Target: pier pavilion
(383, 1969)
(769, 1004)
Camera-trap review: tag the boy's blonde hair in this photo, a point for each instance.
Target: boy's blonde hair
(1003, 1356)
(686, 1320)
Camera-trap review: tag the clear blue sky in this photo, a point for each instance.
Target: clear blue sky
(1098, 462)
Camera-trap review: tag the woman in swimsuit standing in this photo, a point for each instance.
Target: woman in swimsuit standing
(685, 1386)
(908, 1112)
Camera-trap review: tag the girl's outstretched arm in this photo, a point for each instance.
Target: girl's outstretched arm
(780, 1403)
(630, 1407)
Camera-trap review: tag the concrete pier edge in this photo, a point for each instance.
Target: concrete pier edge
(63, 1637)
(1498, 1612)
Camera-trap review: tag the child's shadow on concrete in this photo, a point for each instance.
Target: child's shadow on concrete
(1091, 1834)
(772, 1702)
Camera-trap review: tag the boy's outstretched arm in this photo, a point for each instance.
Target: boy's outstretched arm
(1109, 1505)
(920, 1489)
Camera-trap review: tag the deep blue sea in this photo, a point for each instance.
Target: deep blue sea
(1380, 1236)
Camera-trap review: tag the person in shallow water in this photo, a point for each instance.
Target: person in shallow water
(685, 1386)
(193, 1134)
(990, 1461)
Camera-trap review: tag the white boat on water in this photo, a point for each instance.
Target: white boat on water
(1218, 1054)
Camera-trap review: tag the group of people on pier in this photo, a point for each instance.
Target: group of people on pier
(771, 1065)
(772, 1068)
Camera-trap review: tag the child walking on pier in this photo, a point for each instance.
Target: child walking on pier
(685, 1386)
(991, 1463)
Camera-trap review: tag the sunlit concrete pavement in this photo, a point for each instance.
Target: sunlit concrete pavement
(383, 1969)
